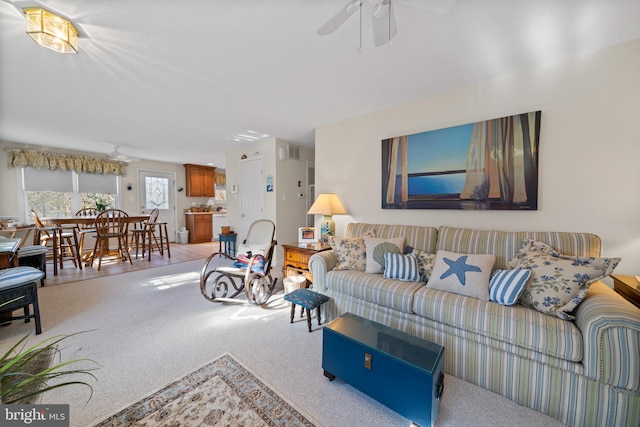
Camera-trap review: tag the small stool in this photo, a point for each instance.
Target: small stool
(308, 300)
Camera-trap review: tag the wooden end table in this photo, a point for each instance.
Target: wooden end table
(296, 258)
(628, 287)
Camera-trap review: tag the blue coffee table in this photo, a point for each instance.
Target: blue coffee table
(402, 371)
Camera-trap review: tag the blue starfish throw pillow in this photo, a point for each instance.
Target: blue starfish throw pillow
(465, 274)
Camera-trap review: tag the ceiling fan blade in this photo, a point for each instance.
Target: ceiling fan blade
(339, 18)
(117, 155)
(384, 23)
(439, 7)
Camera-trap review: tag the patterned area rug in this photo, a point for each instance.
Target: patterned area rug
(221, 393)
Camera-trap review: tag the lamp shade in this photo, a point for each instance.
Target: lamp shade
(327, 204)
(51, 31)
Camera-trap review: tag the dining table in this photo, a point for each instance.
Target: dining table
(86, 220)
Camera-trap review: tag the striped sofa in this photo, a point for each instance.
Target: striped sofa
(584, 372)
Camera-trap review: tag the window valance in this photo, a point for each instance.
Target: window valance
(66, 162)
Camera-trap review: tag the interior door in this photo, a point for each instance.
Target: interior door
(251, 194)
(157, 190)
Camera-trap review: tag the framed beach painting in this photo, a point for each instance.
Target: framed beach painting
(492, 164)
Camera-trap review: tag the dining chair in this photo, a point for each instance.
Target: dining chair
(151, 236)
(63, 242)
(86, 229)
(111, 224)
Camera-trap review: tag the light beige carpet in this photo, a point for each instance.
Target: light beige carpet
(221, 393)
(151, 327)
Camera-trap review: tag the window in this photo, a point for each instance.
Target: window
(156, 192)
(63, 193)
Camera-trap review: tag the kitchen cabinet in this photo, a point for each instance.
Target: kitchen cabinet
(200, 180)
(199, 226)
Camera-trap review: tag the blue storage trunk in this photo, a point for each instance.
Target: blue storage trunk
(402, 371)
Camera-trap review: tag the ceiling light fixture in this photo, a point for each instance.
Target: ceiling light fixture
(51, 31)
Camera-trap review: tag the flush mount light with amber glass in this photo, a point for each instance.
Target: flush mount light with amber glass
(51, 31)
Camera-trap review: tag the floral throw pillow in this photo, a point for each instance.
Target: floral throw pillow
(558, 282)
(351, 253)
(425, 262)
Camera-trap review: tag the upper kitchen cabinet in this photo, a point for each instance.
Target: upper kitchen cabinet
(200, 180)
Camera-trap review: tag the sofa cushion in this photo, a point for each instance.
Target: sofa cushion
(373, 288)
(505, 244)
(506, 286)
(401, 267)
(558, 282)
(515, 324)
(422, 238)
(462, 274)
(377, 247)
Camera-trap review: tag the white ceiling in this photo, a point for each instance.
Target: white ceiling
(176, 80)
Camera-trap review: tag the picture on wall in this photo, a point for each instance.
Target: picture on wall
(492, 164)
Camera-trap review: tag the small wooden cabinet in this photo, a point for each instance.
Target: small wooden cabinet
(199, 226)
(296, 258)
(200, 180)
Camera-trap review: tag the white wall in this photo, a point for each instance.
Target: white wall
(281, 205)
(588, 155)
(291, 209)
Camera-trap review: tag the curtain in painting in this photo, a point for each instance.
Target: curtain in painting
(392, 168)
(398, 144)
(501, 162)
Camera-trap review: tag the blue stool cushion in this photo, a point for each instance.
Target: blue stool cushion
(306, 298)
(18, 276)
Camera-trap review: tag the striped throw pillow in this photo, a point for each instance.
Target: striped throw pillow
(506, 286)
(401, 267)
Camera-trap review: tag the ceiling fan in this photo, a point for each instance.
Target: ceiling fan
(382, 16)
(117, 155)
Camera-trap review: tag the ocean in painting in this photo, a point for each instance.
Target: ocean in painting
(433, 184)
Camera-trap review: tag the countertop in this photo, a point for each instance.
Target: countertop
(207, 213)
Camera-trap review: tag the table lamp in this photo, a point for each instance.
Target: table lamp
(327, 205)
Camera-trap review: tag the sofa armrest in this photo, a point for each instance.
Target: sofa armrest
(610, 329)
(319, 265)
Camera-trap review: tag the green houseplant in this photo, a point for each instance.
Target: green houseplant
(26, 372)
(101, 204)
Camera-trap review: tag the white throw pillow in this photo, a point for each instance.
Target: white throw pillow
(465, 274)
(376, 248)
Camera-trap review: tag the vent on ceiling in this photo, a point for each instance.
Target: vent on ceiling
(294, 152)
